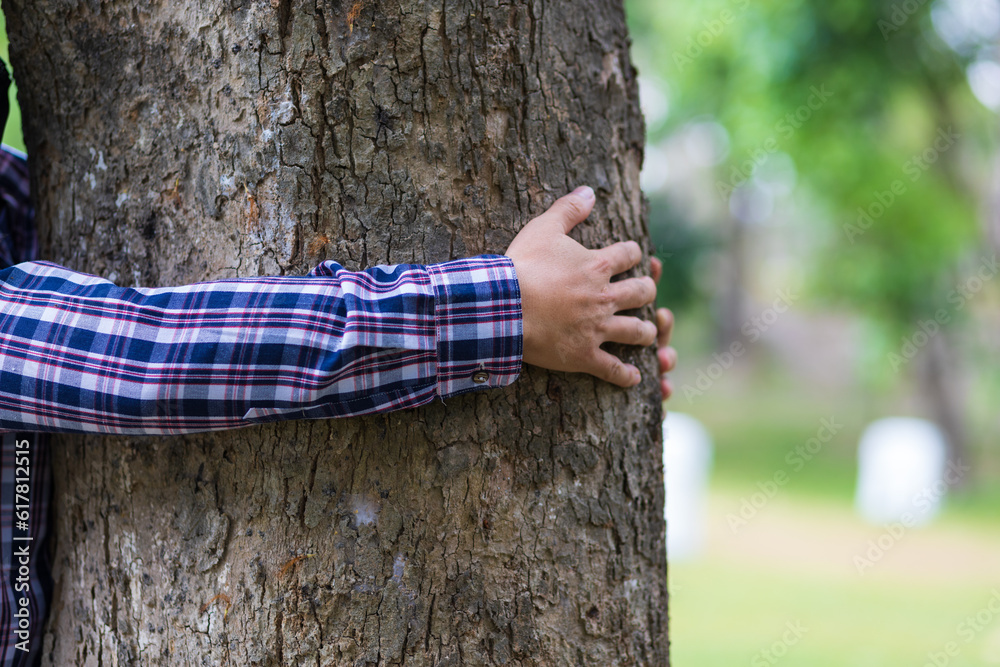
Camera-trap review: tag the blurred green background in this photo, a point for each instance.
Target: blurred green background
(12, 133)
(824, 186)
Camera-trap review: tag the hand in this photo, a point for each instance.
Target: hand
(569, 303)
(664, 327)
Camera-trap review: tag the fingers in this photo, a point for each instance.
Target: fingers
(666, 388)
(610, 368)
(667, 357)
(632, 293)
(621, 256)
(630, 331)
(655, 268)
(633, 331)
(664, 326)
(572, 209)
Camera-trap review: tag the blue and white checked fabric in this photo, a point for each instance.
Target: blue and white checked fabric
(80, 354)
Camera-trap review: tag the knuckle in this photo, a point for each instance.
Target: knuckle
(615, 369)
(639, 294)
(650, 286)
(640, 291)
(602, 265)
(639, 335)
(634, 252)
(607, 297)
(623, 258)
(571, 207)
(649, 333)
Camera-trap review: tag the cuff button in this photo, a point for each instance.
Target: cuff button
(479, 377)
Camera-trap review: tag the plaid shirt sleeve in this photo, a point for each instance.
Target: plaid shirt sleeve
(80, 354)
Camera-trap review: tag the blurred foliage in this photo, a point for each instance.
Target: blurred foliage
(12, 133)
(680, 246)
(867, 100)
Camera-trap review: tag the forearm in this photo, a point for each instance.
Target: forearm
(80, 354)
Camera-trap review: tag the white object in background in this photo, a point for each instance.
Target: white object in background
(901, 471)
(687, 457)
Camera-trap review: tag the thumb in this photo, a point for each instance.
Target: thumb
(572, 209)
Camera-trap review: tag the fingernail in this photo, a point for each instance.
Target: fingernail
(584, 192)
(636, 378)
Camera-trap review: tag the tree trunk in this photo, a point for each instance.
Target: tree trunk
(189, 140)
(732, 301)
(943, 395)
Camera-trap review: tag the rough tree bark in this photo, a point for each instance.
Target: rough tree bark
(197, 139)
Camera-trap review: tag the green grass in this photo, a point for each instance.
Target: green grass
(760, 420)
(759, 437)
(724, 613)
(793, 561)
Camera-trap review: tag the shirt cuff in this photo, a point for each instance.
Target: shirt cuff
(479, 324)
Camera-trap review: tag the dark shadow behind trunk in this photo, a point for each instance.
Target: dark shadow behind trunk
(942, 393)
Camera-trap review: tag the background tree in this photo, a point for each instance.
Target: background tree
(193, 140)
(885, 190)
